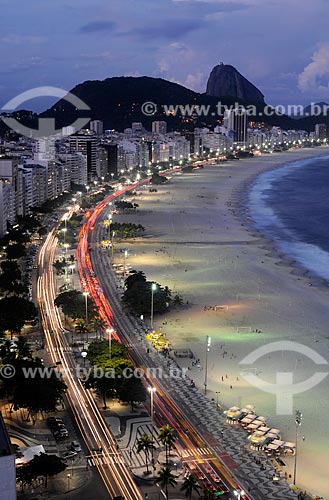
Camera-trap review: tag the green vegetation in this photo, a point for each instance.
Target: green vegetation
(190, 485)
(126, 206)
(127, 229)
(73, 304)
(158, 179)
(35, 393)
(145, 443)
(41, 465)
(138, 293)
(166, 478)
(167, 438)
(10, 320)
(111, 382)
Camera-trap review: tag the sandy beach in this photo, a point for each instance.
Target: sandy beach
(200, 242)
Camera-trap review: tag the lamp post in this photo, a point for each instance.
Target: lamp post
(152, 390)
(68, 482)
(153, 288)
(298, 422)
(217, 392)
(112, 236)
(84, 355)
(109, 332)
(125, 253)
(206, 364)
(86, 305)
(238, 493)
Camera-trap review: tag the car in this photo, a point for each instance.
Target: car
(53, 422)
(61, 433)
(75, 446)
(69, 454)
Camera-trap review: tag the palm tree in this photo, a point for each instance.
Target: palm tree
(80, 326)
(208, 494)
(145, 443)
(98, 324)
(190, 484)
(167, 438)
(166, 478)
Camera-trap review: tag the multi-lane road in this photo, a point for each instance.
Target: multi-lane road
(98, 280)
(115, 475)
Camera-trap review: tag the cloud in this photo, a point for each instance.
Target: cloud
(315, 76)
(219, 6)
(169, 30)
(97, 26)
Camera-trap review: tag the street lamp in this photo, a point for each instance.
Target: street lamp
(109, 332)
(217, 392)
(68, 482)
(153, 288)
(112, 236)
(86, 306)
(84, 355)
(206, 364)
(152, 390)
(298, 422)
(239, 493)
(125, 253)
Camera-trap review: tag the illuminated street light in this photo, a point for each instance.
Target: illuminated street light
(84, 355)
(298, 422)
(125, 253)
(152, 390)
(239, 493)
(109, 332)
(206, 364)
(86, 304)
(153, 288)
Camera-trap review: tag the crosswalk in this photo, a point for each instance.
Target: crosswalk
(197, 452)
(102, 460)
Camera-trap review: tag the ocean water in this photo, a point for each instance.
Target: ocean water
(290, 205)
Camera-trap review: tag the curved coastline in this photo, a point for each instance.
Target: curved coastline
(270, 242)
(202, 243)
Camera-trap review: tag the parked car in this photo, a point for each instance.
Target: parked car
(75, 446)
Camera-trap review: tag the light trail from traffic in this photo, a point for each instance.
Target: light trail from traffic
(88, 270)
(116, 476)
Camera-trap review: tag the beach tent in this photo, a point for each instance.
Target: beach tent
(264, 428)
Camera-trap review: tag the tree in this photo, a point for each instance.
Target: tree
(60, 266)
(190, 485)
(73, 305)
(166, 478)
(80, 326)
(10, 320)
(46, 466)
(145, 444)
(134, 277)
(15, 251)
(158, 179)
(167, 438)
(208, 494)
(131, 391)
(98, 324)
(24, 475)
(138, 297)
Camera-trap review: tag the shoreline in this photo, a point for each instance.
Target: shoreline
(201, 243)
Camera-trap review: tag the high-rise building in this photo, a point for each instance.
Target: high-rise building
(97, 127)
(320, 131)
(8, 171)
(236, 120)
(137, 127)
(7, 465)
(76, 164)
(7, 206)
(88, 147)
(108, 154)
(159, 127)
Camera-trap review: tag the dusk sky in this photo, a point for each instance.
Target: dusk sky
(282, 46)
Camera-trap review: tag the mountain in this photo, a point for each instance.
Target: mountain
(316, 109)
(118, 102)
(226, 81)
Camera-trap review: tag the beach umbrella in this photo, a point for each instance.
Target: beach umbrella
(250, 407)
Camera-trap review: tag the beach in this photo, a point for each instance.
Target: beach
(200, 242)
